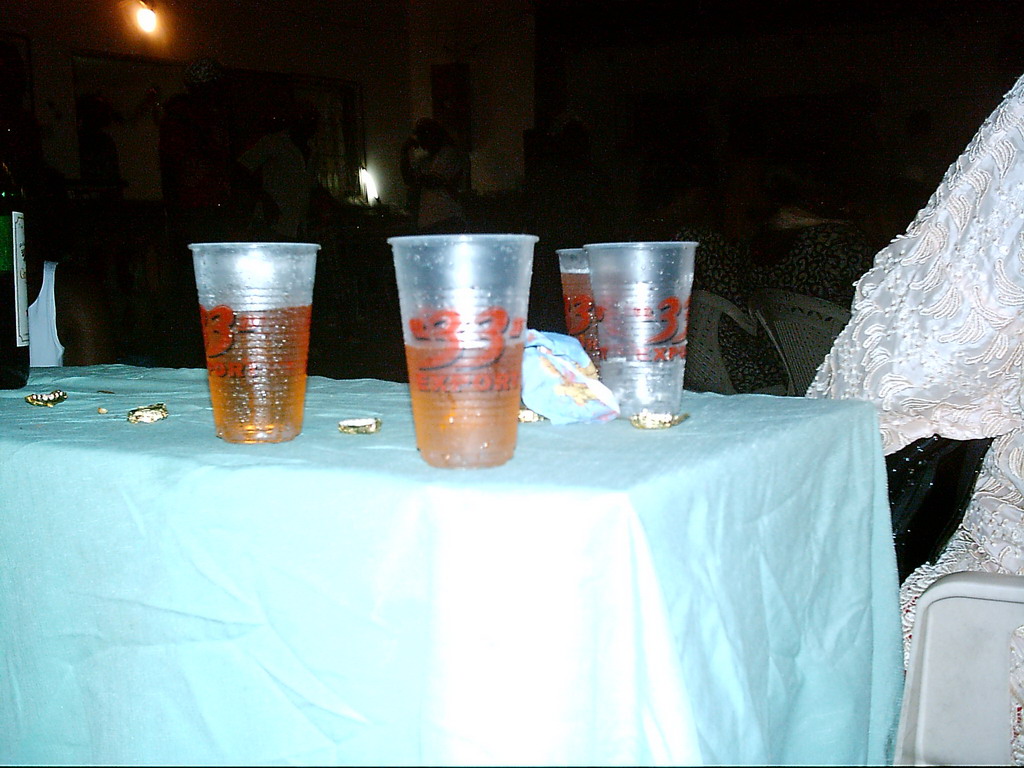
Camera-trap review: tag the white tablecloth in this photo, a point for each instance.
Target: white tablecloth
(721, 592)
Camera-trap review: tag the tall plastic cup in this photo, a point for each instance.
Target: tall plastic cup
(642, 293)
(463, 303)
(578, 299)
(255, 303)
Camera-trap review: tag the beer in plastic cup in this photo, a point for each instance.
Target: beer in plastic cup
(578, 299)
(642, 293)
(463, 303)
(255, 302)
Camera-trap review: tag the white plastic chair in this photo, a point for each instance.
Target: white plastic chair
(956, 703)
(802, 328)
(705, 367)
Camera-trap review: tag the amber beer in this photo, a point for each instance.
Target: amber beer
(579, 310)
(465, 418)
(255, 304)
(464, 301)
(256, 364)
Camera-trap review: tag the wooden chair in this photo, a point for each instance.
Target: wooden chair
(802, 329)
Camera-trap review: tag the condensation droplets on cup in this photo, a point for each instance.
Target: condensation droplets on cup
(642, 295)
(255, 306)
(463, 304)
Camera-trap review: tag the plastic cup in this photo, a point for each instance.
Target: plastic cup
(255, 303)
(578, 299)
(463, 302)
(642, 293)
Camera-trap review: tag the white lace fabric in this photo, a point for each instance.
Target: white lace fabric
(937, 334)
(936, 341)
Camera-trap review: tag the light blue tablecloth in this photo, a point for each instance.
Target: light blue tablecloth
(721, 592)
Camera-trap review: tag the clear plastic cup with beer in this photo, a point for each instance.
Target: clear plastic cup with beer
(255, 304)
(578, 299)
(463, 304)
(642, 293)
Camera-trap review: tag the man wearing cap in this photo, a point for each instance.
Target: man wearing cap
(196, 162)
(198, 170)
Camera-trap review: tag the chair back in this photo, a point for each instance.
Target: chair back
(956, 701)
(705, 366)
(802, 329)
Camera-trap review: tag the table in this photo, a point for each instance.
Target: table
(723, 591)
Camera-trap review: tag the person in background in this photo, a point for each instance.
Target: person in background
(97, 153)
(284, 171)
(436, 172)
(809, 244)
(69, 320)
(197, 158)
(201, 184)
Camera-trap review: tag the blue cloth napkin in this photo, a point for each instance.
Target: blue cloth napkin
(560, 381)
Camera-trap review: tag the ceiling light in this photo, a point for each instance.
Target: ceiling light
(145, 17)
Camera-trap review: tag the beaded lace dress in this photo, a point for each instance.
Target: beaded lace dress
(936, 340)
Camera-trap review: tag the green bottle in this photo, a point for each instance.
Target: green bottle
(13, 284)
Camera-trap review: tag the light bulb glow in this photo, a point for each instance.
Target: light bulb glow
(145, 17)
(369, 185)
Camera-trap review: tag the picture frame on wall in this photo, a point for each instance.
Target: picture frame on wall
(136, 89)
